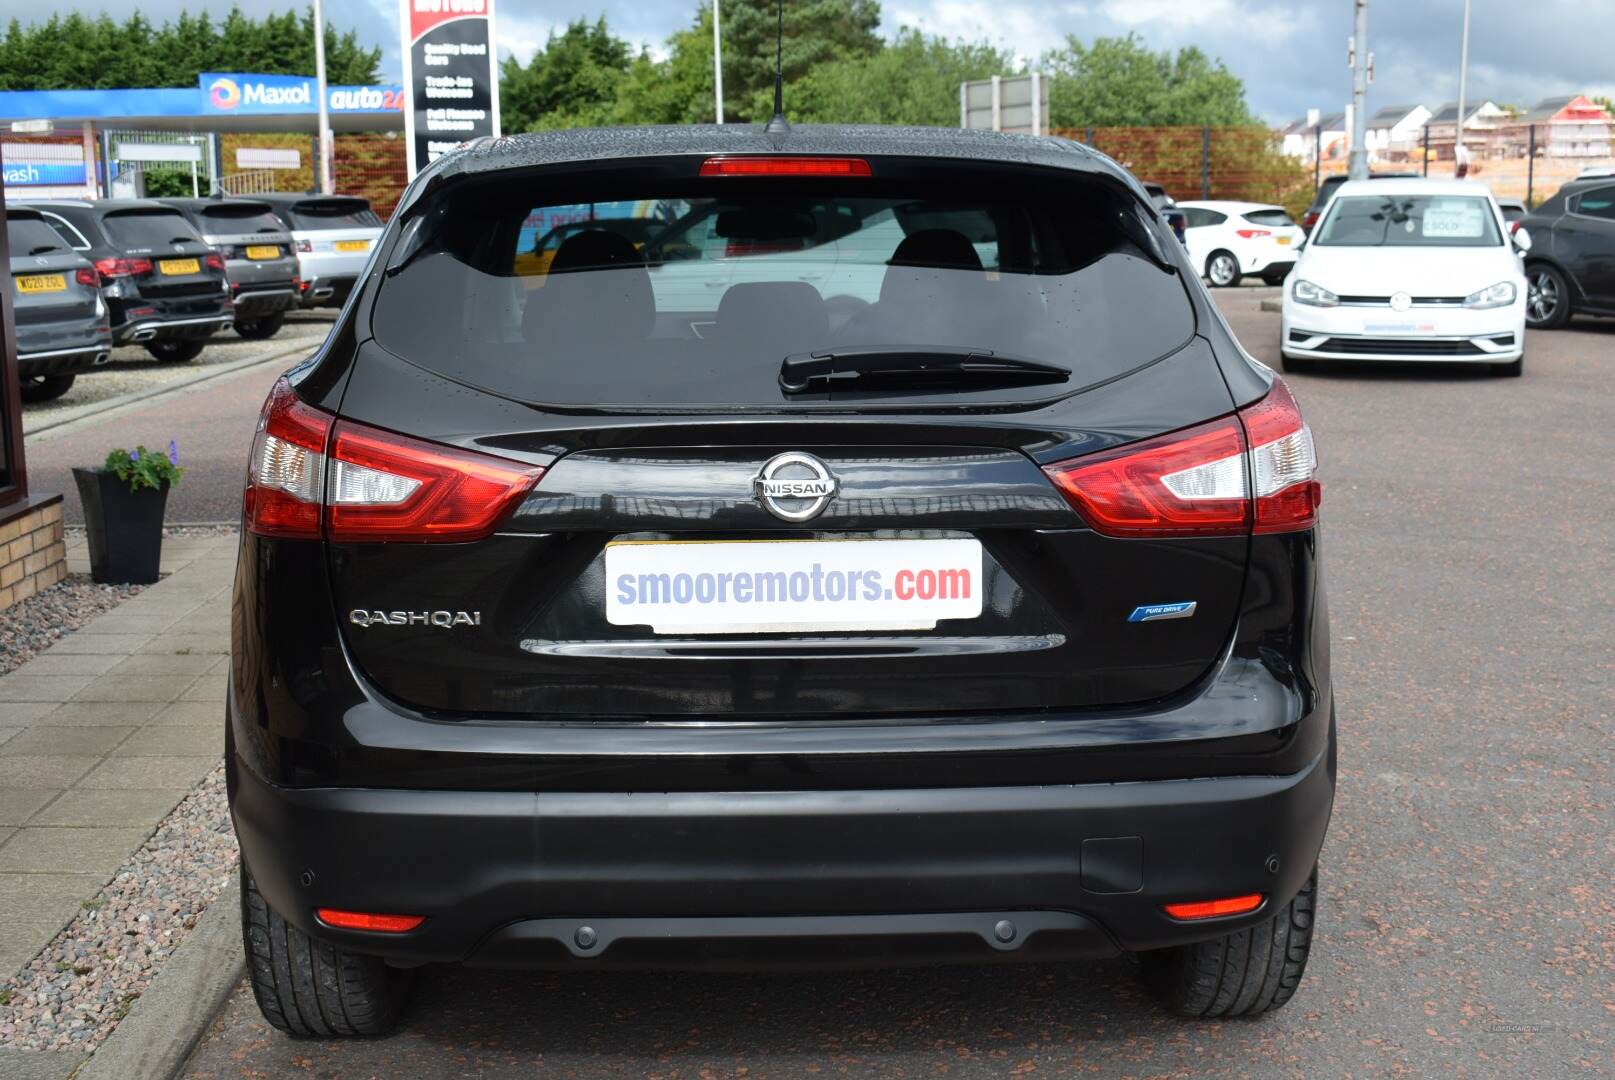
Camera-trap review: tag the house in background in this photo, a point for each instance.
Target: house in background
(1302, 138)
(1396, 132)
(1573, 126)
(1484, 124)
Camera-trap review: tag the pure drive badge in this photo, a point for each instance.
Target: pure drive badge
(443, 620)
(794, 486)
(1157, 612)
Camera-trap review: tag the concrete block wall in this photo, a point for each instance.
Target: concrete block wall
(33, 555)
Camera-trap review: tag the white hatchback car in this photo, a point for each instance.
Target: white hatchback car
(1230, 240)
(1416, 270)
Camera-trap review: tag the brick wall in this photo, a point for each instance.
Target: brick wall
(32, 553)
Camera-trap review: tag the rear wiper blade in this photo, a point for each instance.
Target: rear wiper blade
(910, 366)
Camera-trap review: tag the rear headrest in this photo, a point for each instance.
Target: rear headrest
(936, 247)
(910, 273)
(787, 314)
(597, 292)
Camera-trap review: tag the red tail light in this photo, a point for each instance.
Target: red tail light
(86, 276)
(1252, 234)
(1211, 909)
(1310, 219)
(117, 268)
(391, 487)
(214, 260)
(1199, 481)
(313, 476)
(364, 920)
(784, 166)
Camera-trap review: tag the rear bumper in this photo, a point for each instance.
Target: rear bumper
(257, 301)
(511, 878)
(327, 290)
(158, 329)
(65, 361)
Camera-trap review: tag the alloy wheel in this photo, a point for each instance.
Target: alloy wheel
(1541, 297)
(1223, 270)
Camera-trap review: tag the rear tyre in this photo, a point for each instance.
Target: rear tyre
(258, 329)
(306, 987)
(1222, 269)
(1246, 973)
(1275, 277)
(1547, 297)
(37, 388)
(175, 352)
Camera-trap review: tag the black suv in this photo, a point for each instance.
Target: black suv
(164, 285)
(1569, 244)
(258, 258)
(894, 559)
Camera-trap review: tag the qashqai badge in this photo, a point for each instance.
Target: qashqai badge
(794, 486)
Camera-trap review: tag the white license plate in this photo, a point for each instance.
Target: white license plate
(788, 586)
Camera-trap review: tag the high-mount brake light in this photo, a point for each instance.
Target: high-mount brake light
(312, 476)
(1212, 909)
(785, 165)
(364, 920)
(1250, 472)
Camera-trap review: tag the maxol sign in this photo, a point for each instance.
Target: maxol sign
(234, 93)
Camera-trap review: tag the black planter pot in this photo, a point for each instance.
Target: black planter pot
(124, 528)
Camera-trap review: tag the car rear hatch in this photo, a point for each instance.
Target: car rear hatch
(162, 253)
(336, 228)
(789, 459)
(257, 249)
(50, 282)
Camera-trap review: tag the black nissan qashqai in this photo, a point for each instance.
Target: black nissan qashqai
(886, 554)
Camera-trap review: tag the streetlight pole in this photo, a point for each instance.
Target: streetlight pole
(1459, 155)
(1357, 167)
(324, 171)
(717, 63)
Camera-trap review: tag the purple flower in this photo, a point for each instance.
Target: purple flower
(134, 455)
(173, 452)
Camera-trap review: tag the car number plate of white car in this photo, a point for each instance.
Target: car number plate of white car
(792, 586)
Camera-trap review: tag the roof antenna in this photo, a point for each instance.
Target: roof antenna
(777, 124)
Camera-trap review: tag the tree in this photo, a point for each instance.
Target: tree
(677, 90)
(1121, 82)
(817, 32)
(574, 81)
(913, 80)
(72, 52)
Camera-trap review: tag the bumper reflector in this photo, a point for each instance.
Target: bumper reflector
(1211, 909)
(360, 920)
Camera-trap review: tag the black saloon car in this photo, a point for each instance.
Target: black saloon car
(61, 320)
(1327, 189)
(258, 258)
(164, 285)
(912, 569)
(1570, 262)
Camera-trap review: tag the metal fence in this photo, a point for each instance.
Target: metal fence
(1203, 162)
(1516, 160)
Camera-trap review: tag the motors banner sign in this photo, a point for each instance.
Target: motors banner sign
(451, 80)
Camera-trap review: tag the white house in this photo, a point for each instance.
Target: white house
(1394, 133)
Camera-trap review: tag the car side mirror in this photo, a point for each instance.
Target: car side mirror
(1522, 239)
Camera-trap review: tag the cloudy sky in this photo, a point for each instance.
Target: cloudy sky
(1291, 55)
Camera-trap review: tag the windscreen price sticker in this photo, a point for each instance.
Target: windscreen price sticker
(792, 586)
(451, 83)
(1460, 220)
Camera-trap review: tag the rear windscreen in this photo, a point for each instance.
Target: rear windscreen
(240, 219)
(334, 214)
(1276, 219)
(31, 236)
(149, 230)
(692, 294)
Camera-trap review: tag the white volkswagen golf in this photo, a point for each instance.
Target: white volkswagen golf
(1419, 270)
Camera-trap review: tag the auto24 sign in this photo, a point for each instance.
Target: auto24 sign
(450, 76)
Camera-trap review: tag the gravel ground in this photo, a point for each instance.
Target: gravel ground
(132, 368)
(74, 993)
(37, 623)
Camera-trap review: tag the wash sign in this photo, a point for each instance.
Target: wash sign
(239, 94)
(44, 164)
